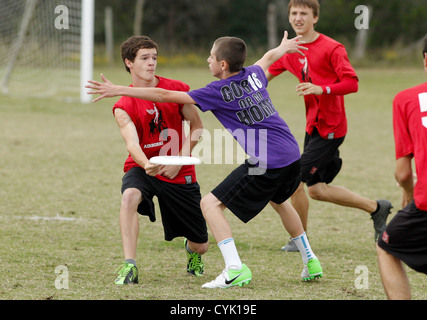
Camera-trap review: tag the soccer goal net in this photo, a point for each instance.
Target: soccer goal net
(40, 48)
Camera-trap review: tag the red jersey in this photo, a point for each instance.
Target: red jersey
(325, 64)
(410, 134)
(160, 126)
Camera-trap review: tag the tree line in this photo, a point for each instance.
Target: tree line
(193, 24)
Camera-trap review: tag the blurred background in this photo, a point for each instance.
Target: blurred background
(41, 48)
(190, 26)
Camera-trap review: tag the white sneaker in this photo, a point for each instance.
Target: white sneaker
(290, 246)
(230, 277)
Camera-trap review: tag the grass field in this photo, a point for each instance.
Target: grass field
(63, 161)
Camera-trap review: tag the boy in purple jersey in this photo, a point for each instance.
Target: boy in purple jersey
(242, 104)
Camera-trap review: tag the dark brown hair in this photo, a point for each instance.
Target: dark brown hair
(131, 46)
(312, 4)
(232, 50)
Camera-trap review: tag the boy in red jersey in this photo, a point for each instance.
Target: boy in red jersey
(147, 128)
(326, 75)
(405, 238)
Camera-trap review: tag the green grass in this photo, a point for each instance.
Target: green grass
(65, 160)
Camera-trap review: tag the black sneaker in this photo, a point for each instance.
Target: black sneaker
(380, 218)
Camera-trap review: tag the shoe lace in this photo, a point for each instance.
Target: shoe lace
(195, 261)
(124, 269)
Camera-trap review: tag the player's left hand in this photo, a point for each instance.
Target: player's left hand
(170, 172)
(307, 88)
(293, 45)
(105, 89)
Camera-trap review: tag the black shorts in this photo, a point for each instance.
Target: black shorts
(246, 194)
(320, 161)
(405, 237)
(179, 205)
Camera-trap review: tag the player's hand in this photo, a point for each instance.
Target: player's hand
(307, 88)
(153, 169)
(170, 172)
(293, 45)
(105, 89)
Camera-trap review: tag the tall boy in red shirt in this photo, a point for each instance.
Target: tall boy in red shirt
(405, 238)
(326, 75)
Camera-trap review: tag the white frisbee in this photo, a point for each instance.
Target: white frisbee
(175, 160)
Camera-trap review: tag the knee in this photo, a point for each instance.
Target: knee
(204, 204)
(131, 199)
(380, 252)
(208, 202)
(316, 192)
(299, 191)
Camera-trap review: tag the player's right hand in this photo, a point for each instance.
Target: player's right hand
(153, 169)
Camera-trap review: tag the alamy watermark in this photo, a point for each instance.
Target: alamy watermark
(362, 279)
(362, 21)
(219, 147)
(62, 21)
(61, 281)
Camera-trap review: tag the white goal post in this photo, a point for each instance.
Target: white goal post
(86, 51)
(46, 48)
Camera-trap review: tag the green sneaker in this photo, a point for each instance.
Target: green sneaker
(230, 277)
(195, 265)
(312, 270)
(128, 274)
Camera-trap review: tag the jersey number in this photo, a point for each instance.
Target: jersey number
(423, 106)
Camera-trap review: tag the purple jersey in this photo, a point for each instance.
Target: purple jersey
(243, 106)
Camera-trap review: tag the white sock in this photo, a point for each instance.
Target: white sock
(304, 248)
(230, 254)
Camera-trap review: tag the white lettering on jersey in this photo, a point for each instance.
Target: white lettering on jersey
(423, 105)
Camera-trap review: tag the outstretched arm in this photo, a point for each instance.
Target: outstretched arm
(286, 46)
(107, 89)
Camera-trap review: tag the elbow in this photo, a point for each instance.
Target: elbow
(161, 96)
(403, 171)
(355, 85)
(199, 126)
(403, 176)
(132, 148)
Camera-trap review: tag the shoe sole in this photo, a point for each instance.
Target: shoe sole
(239, 284)
(194, 274)
(313, 277)
(242, 283)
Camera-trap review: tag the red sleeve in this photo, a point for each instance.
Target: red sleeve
(277, 67)
(346, 86)
(348, 80)
(402, 138)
